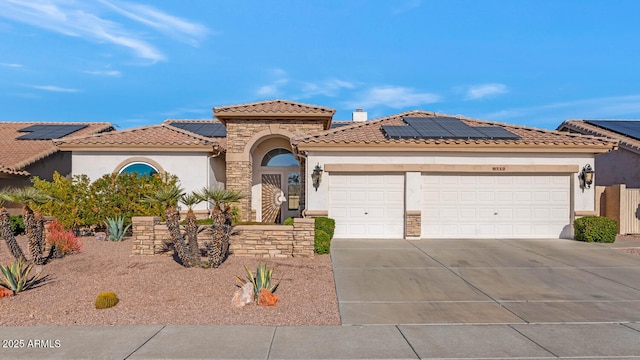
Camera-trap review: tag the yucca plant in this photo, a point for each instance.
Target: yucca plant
(5, 228)
(191, 226)
(222, 215)
(263, 279)
(168, 197)
(116, 228)
(16, 276)
(32, 198)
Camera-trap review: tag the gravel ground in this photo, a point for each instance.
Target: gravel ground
(158, 290)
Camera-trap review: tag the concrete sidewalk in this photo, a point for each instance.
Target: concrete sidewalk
(531, 341)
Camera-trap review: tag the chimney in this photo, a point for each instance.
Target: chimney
(359, 115)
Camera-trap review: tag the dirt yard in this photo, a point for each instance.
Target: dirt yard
(158, 290)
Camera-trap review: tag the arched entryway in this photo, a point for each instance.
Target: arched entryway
(276, 181)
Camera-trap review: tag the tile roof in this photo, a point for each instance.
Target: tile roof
(269, 107)
(15, 154)
(221, 141)
(162, 135)
(585, 128)
(369, 132)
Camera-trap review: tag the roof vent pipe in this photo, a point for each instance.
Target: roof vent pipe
(359, 115)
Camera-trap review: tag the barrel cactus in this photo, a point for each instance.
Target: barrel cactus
(106, 300)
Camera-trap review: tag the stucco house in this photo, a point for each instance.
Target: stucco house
(621, 166)
(416, 174)
(27, 149)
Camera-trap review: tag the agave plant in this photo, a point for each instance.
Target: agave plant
(16, 276)
(116, 228)
(263, 279)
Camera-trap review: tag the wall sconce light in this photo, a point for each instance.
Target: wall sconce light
(586, 177)
(316, 176)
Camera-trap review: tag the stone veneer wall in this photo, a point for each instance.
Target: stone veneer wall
(413, 224)
(239, 169)
(261, 241)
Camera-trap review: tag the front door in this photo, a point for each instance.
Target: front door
(280, 196)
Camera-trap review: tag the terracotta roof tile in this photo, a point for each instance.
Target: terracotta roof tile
(279, 107)
(585, 128)
(15, 154)
(155, 135)
(369, 132)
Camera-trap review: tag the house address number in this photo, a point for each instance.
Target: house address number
(499, 168)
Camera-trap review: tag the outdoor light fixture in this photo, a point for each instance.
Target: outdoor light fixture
(586, 177)
(316, 176)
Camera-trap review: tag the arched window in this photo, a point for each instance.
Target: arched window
(279, 157)
(140, 168)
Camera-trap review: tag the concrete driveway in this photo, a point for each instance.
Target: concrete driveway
(484, 282)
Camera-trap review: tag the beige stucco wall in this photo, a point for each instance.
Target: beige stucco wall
(618, 167)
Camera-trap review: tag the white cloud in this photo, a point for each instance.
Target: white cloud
(392, 96)
(173, 26)
(11, 65)
(78, 19)
(406, 6)
(279, 79)
(53, 88)
(485, 90)
(551, 115)
(113, 73)
(328, 88)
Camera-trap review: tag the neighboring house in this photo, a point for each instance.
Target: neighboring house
(27, 149)
(413, 175)
(621, 166)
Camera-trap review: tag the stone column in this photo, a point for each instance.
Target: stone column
(303, 237)
(144, 239)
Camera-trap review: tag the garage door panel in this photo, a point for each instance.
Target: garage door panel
(367, 206)
(502, 206)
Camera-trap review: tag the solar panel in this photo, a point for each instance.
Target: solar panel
(400, 132)
(340, 124)
(445, 128)
(629, 128)
(49, 131)
(494, 132)
(203, 129)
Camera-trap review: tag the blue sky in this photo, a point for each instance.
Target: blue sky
(134, 63)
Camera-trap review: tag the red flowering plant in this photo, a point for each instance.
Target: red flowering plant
(64, 241)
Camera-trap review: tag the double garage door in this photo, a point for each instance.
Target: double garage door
(453, 206)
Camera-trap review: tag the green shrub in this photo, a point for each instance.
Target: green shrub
(106, 300)
(79, 202)
(288, 221)
(325, 224)
(17, 225)
(322, 243)
(595, 229)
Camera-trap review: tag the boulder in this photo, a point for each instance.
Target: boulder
(243, 296)
(101, 236)
(267, 298)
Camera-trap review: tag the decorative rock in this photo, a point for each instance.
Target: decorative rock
(101, 236)
(266, 298)
(4, 292)
(243, 296)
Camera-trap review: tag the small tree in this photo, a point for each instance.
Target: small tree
(31, 198)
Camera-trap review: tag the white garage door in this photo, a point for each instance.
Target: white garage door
(367, 206)
(494, 206)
